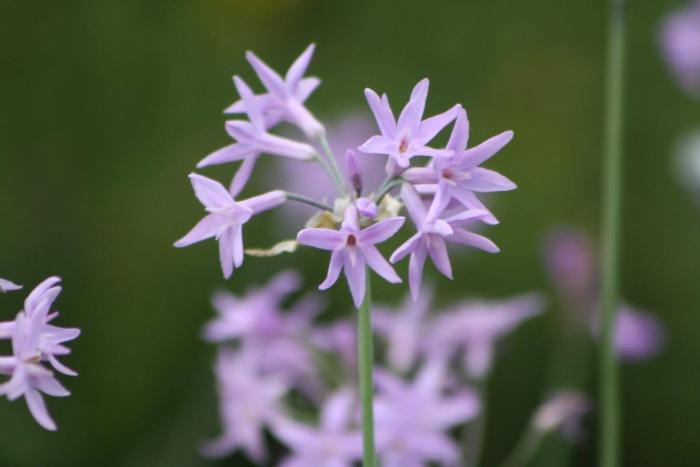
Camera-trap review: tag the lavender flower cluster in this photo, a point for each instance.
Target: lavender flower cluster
(35, 341)
(270, 358)
(439, 195)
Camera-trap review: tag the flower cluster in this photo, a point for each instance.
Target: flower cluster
(440, 193)
(275, 366)
(36, 342)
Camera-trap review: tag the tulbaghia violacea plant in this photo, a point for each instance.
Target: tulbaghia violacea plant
(36, 344)
(438, 186)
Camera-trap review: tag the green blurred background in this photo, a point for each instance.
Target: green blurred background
(105, 106)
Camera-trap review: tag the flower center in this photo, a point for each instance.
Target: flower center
(352, 240)
(447, 173)
(403, 145)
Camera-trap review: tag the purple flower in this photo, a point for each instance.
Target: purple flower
(461, 173)
(569, 262)
(7, 286)
(339, 337)
(274, 337)
(680, 42)
(252, 138)
(353, 249)
(249, 402)
(332, 444)
(414, 419)
(638, 335)
(409, 135)
(432, 234)
(563, 411)
(285, 96)
(475, 327)
(225, 219)
(404, 330)
(35, 340)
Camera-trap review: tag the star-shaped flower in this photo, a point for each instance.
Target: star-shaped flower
(226, 218)
(409, 135)
(353, 249)
(7, 286)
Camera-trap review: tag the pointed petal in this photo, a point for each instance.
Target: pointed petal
(305, 120)
(382, 113)
(231, 153)
(378, 144)
(407, 247)
(381, 231)
(430, 127)
(265, 201)
(298, 68)
(415, 270)
(356, 277)
(210, 193)
(325, 239)
(439, 203)
(420, 175)
(268, 77)
(226, 252)
(7, 286)
(478, 154)
(37, 407)
(250, 103)
(438, 253)
(460, 133)
(412, 114)
(485, 180)
(414, 204)
(381, 266)
(240, 179)
(60, 367)
(279, 146)
(469, 200)
(206, 228)
(474, 240)
(237, 246)
(306, 87)
(334, 266)
(51, 386)
(39, 293)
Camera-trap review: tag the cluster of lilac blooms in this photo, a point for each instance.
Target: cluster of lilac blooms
(680, 43)
(440, 195)
(36, 345)
(278, 370)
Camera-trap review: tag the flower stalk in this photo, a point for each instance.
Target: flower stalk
(611, 224)
(365, 360)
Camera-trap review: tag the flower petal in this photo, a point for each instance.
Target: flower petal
(414, 204)
(485, 180)
(226, 252)
(250, 103)
(210, 193)
(231, 153)
(298, 68)
(382, 113)
(37, 407)
(459, 137)
(381, 266)
(407, 247)
(438, 253)
(334, 266)
(473, 240)
(382, 230)
(379, 144)
(415, 270)
(240, 179)
(325, 239)
(355, 273)
(432, 126)
(206, 228)
(412, 114)
(475, 156)
(268, 77)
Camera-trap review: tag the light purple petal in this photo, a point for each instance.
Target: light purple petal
(414, 204)
(250, 103)
(207, 228)
(415, 270)
(240, 179)
(6, 286)
(379, 144)
(51, 386)
(438, 253)
(37, 407)
(407, 247)
(226, 252)
(337, 410)
(278, 146)
(473, 240)
(231, 153)
(269, 77)
(298, 68)
(325, 239)
(381, 231)
(306, 87)
(433, 125)
(265, 201)
(380, 265)
(210, 193)
(305, 120)
(37, 295)
(355, 273)
(382, 113)
(412, 114)
(469, 200)
(485, 180)
(460, 133)
(237, 240)
(478, 154)
(334, 266)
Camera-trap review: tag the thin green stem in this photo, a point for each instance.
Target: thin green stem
(611, 224)
(336, 174)
(309, 201)
(473, 437)
(524, 450)
(366, 368)
(386, 187)
(331, 174)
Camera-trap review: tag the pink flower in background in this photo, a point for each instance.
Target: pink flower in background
(353, 249)
(413, 419)
(331, 444)
(249, 402)
(339, 337)
(563, 411)
(408, 136)
(472, 329)
(568, 259)
(35, 340)
(680, 43)
(638, 335)
(225, 219)
(404, 330)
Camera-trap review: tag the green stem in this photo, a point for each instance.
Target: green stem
(525, 450)
(366, 368)
(306, 200)
(608, 379)
(336, 174)
(386, 187)
(475, 431)
(331, 174)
